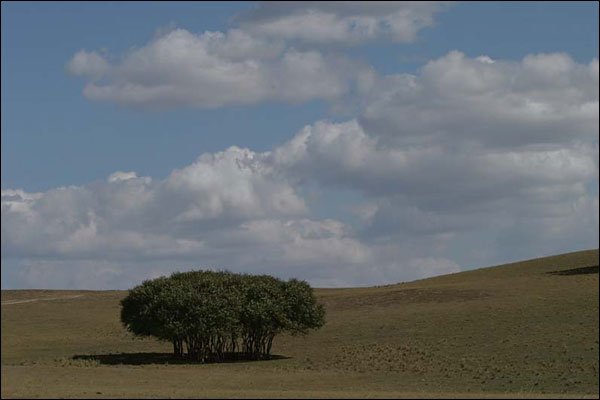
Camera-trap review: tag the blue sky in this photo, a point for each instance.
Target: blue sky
(55, 135)
(48, 127)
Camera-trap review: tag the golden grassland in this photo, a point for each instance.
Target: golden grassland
(527, 329)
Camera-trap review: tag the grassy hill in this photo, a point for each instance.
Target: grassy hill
(518, 330)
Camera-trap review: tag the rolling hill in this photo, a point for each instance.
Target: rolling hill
(526, 329)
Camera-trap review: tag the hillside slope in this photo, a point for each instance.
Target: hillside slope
(521, 329)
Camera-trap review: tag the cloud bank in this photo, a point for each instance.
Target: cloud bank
(215, 69)
(264, 58)
(467, 162)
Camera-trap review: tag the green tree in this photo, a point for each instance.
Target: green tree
(209, 315)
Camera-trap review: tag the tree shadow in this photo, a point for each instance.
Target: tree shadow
(576, 271)
(164, 358)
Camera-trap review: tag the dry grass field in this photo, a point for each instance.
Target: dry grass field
(528, 329)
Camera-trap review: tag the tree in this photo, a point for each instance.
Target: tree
(303, 312)
(220, 314)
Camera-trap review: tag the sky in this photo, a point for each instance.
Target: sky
(347, 144)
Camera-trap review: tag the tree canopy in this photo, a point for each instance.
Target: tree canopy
(210, 315)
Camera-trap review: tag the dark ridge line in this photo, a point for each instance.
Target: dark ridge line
(576, 271)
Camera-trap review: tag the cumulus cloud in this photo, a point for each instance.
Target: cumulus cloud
(348, 23)
(269, 55)
(88, 249)
(544, 99)
(467, 147)
(130, 212)
(214, 69)
(470, 161)
(226, 210)
(344, 154)
(230, 209)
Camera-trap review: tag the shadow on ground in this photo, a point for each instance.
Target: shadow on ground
(577, 271)
(160, 358)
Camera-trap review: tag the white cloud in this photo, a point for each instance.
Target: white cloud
(266, 58)
(233, 182)
(130, 213)
(544, 99)
(349, 23)
(468, 148)
(344, 154)
(214, 69)
(89, 64)
(469, 162)
(121, 176)
(226, 210)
